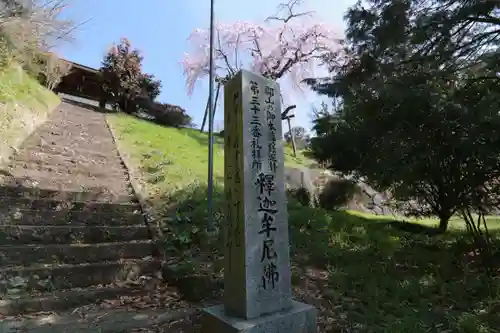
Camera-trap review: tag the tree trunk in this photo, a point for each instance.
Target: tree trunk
(443, 223)
(122, 104)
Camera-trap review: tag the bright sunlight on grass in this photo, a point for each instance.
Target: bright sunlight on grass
(24, 104)
(171, 158)
(363, 273)
(17, 86)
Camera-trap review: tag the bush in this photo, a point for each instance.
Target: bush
(301, 195)
(167, 114)
(337, 193)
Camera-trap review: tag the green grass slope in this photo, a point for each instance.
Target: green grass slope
(24, 104)
(171, 159)
(364, 273)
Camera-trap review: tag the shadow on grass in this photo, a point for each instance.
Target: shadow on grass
(309, 154)
(202, 137)
(183, 218)
(91, 105)
(382, 275)
(415, 228)
(153, 120)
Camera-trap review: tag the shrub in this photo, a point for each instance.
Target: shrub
(301, 195)
(337, 193)
(167, 114)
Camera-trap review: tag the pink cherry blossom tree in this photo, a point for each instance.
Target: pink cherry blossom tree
(286, 47)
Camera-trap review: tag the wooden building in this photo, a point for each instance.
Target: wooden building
(82, 81)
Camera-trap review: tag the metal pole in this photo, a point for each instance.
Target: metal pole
(210, 226)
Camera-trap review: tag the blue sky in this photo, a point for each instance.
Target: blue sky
(160, 28)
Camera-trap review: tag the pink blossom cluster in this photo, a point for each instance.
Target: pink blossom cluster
(278, 50)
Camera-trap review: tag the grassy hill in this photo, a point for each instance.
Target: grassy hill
(364, 273)
(171, 158)
(24, 104)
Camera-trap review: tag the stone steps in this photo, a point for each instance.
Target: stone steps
(68, 151)
(62, 177)
(69, 130)
(79, 118)
(54, 193)
(64, 299)
(26, 255)
(59, 178)
(13, 203)
(55, 161)
(114, 171)
(71, 110)
(71, 230)
(74, 126)
(73, 133)
(48, 234)
(43, 278)
(115, 320)
(88, 187)
(99, 132)
(71, 143)
(66, 157)
(38, 217)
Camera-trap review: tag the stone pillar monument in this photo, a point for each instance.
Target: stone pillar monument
(257, 276)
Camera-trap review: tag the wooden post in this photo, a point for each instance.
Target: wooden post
(205, 116)
(292, 134)
(285, 115)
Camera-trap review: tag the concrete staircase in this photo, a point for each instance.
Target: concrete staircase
(71, 230)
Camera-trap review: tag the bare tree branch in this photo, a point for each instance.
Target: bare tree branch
(289, 11)
(290, 48)
(29, 29)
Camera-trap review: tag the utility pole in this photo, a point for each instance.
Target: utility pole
(211, 108)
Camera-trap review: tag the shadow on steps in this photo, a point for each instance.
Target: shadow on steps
(61, 241)
(86, 104)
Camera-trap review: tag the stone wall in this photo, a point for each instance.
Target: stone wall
(364, 198)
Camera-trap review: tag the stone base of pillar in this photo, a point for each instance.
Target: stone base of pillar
(300, 318)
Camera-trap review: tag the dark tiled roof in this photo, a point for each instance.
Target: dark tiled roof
(83, 67)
